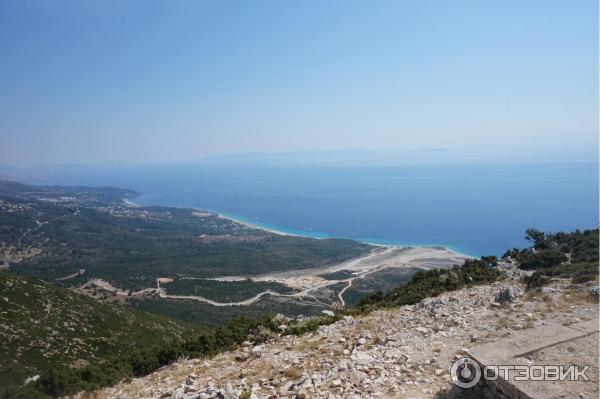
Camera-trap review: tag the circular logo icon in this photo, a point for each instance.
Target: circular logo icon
(465, 372)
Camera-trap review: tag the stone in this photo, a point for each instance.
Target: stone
(301, 393)
(400, 352)
(257, 350)
(32, 379)
(422, 330)
(362, 358)
(188, 389)
(507, 294)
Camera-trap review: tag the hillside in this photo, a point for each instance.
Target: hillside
(565, 298)
(92, 240)
(202, 268)
(43, 326)
(400, 352)
(73, 195)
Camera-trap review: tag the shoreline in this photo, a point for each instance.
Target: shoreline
(130, 203)
(307, 234)
(257, 227)
(323, 236)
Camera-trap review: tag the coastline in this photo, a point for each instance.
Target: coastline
(321, 236)
(310, 234)
(130, 203)
(255, 226)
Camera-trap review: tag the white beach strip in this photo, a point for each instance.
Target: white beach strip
(130, 203)
(253, 226)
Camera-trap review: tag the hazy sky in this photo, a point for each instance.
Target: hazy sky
(101, 81)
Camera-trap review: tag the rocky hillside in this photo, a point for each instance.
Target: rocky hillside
(394, 353)
(43, 326)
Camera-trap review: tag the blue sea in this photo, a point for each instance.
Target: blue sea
(475, 209)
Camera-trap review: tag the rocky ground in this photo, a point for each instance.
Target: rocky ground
(394, 353)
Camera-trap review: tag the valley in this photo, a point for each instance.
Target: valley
(295, 284)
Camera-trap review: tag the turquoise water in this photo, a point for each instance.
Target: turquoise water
(322, 235)
(475, 209)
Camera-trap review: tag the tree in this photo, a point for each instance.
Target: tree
(535, 236)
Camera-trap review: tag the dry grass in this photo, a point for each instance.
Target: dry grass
(504, 322)
(306, 345)
(536, 295)
(578, 297)
(527, 325)
(89, 395)
(376, 340)
(293, 373)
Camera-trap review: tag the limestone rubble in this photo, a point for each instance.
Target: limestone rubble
(394, 353)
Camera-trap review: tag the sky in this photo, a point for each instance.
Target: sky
(101, 82)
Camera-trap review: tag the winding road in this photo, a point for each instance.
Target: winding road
(341, 293)
(377, 260)
(303, 293)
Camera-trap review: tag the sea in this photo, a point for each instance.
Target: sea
(476, 209)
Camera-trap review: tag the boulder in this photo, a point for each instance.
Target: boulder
(301, 393)
(37, 377)
(507, 294)
(363, 359)
(257, 350)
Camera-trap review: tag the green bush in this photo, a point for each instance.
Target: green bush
(566, 255)
(432, 283)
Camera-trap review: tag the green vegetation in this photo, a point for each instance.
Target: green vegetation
(131, 247)
(431, 283)
(43, 326)
(566, 255)
(224, 291)
(143, 359)
(384, 280)
(210, 316)
(86, 196)
(76, 343)
(53, 232)
(339, 275)
(578, 272)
